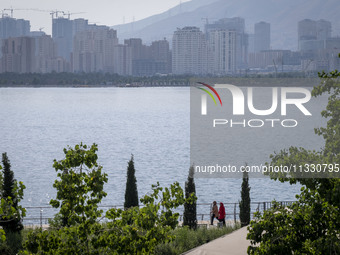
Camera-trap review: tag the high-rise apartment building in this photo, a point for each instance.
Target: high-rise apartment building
(150, 60)
(307, 30)
(261, 36)
(189, 51)
(138, 49)
(160, 53)
(238, 25)
(319, 51)
(142, 63)
(45, 54)
(222, 47)
(18, 55)
(62, 34)
(160, 50)
(79, 25)
(34, 54)
(123, 59)
(10, 27)
(323, 29)
(93, 50)
(251, 43)
(312, 34)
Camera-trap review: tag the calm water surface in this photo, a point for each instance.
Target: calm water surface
(153, 124)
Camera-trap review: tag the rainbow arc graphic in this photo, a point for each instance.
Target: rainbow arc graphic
(209, 93)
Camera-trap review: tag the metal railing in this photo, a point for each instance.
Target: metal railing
(39, 216)
(233, 211)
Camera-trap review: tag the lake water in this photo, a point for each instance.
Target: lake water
(153, 124)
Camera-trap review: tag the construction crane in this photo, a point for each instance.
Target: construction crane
(10, 9)
(56, 12)
(53, 13)
(68, 14)
(17, 9)
(3, 15)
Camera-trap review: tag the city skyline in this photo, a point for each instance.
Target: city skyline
(161, 24)
(214, 46)
(224, 48)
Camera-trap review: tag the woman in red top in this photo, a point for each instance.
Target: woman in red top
(221, 214)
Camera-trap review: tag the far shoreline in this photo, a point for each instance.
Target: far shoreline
(107, 80)
(240, 82)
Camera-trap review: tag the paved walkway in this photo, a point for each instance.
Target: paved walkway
(232, 244)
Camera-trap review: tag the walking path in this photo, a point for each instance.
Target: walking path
(232, 244)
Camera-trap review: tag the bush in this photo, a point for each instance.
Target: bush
(56, 222)
(13, 243)
(132, 231)
(187, 239)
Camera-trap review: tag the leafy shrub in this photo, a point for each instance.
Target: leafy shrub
(12, 244)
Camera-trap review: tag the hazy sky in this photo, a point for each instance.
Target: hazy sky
(102, 12)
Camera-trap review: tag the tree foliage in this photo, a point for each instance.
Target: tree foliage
(87, 79)
(151, 224)
(11, 198)
(190, 213)
(131, 192)
(8, 178)
(245, 201)
(312, 224)
(80, 185)
(2, 232)
(11, 213)
(131, 231)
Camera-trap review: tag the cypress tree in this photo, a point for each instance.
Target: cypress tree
(245, 201)
(9, 225)
(131, 192)
(189, 217)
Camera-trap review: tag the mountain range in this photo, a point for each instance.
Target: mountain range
(283, 15)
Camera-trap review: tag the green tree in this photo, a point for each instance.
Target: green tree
(80, 185)
(132, 231)
(189, 216)
(12, 193)
(8, 180)
(131, 192)
(2, 232)
(312, 224)
(245, 201)
(11, 213)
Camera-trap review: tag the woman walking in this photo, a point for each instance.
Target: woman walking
(214, 213)
(221, 214)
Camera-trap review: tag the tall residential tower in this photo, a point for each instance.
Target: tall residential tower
(262, 36)
(189, 51)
